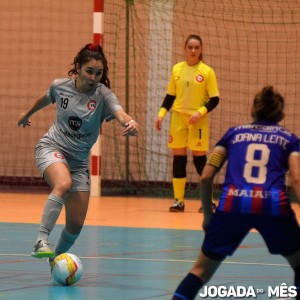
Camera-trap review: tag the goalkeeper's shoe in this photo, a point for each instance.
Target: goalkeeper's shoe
(177, 206)
(213, 207)
(42, 250)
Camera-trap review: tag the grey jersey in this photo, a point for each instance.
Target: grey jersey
(78, 116)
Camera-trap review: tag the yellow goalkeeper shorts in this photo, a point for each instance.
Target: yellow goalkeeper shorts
(184, 135)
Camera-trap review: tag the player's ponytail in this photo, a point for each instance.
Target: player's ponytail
(268, 105)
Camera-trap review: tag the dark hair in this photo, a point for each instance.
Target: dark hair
(88, 52)
(268, 105)
(195, 37)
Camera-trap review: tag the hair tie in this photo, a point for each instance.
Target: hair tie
(93, 47)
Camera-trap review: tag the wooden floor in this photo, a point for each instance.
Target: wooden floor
(110, 211)
(106, 211)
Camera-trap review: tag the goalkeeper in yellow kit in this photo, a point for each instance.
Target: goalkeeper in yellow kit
(192, 93)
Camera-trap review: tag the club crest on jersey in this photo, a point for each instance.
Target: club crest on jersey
(75, 123)
(59, 155)
(199, 78)
(91, 105)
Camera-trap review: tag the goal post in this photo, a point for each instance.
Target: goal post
(95, 167)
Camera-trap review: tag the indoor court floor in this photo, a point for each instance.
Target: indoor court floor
(131, 248)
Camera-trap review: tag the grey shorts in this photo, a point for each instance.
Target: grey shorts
(47, 154)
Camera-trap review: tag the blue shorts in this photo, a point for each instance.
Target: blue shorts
(226, 232)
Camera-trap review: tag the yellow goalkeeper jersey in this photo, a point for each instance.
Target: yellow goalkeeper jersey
(193, 86)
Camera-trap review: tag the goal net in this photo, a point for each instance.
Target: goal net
(249, 44)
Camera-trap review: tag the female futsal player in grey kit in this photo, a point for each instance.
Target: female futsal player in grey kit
(83, 101)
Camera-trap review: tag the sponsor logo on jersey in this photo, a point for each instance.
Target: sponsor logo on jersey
(91, 105)
(199, 78)
(65, 95)
(75, 123)
(75, 135)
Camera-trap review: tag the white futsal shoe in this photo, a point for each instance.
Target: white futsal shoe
(42, 250)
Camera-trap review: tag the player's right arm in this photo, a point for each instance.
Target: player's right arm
(40, 103)
(294, 168)
(165, 107)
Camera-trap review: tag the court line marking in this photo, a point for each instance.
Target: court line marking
(156, 260)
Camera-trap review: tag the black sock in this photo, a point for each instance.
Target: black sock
(188, 288)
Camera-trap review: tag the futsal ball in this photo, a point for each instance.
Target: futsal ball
(66, 269)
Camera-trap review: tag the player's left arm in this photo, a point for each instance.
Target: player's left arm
(212, 104)
(203, 110)
(214, 98)
(127, 121)
(212, 167)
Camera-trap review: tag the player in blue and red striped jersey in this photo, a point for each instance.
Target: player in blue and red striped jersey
(254, 195)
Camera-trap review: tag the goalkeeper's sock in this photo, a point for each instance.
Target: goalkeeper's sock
(179, 188)
(188, 288)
